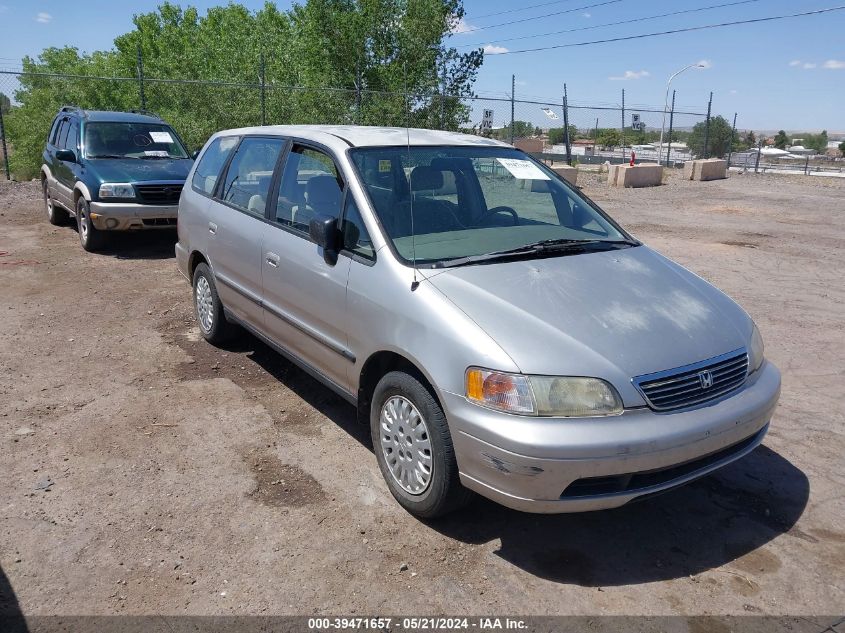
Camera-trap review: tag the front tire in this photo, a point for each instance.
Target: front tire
(208, 309)
(413, 447)
(90, 237)
(55, 215)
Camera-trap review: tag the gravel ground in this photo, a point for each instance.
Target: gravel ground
(146, 472)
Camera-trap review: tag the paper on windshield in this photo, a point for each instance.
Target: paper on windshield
(161, 137)
(157, 153)
(523, 169)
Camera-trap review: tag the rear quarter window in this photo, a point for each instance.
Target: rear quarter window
(211, 163)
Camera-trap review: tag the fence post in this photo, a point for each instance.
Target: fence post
(596, 139)
(263, 91)
(671, 125)
(443, 97)
(357, 92)
(707, 129)
(759, 150)
(3, 140)
(623, 126)
(807, 166)
(566, 139)
(731, 146)
(140, 71)
(513, 89)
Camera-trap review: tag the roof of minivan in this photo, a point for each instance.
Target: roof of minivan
(369, 136)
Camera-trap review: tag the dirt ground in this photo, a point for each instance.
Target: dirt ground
(146, 472)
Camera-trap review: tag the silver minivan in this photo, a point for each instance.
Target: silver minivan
(497, 330)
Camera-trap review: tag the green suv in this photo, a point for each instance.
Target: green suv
(112, 171)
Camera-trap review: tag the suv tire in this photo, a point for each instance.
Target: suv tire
(413, 447)
(90, 237)
(55, 214)
(208, 309)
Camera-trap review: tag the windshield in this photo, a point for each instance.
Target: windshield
(132, 140)
(470, 201)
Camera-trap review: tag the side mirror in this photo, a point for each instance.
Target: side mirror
(194, 154)
(322, 229)
(66, 155)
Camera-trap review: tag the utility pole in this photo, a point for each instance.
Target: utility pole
(707, 129)
(513, 96)
(263, 92)
(671, 124)
(731, 146)
(623, 125)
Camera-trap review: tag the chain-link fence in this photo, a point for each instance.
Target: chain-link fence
(557, 131)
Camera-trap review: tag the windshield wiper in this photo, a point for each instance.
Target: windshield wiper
(542, 247)
(148, 157)
(110, 156)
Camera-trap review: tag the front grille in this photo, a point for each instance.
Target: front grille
(159, 194)
(694, 384)
(631, 482)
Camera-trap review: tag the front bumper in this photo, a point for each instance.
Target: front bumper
(122, 216)
(553, 465)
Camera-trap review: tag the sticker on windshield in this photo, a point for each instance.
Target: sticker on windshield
(156, 152)
(161, 137)
(522, 169)
(384, 166)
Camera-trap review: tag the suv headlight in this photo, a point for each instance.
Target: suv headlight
(755, 351)
(555, 396)
(117, 190)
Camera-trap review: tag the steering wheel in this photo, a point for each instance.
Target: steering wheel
(495, 210)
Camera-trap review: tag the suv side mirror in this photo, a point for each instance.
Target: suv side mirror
(322, 229)
(66, 155)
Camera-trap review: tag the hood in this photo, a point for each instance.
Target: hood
(139, 170)
(613, 314)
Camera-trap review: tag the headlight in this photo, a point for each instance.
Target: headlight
(117, 190)
(557, 396)
(755, 351)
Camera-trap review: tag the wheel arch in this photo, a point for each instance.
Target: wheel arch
(377, 366)
(195, 259)
(80, 190)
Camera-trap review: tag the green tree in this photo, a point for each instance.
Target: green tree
(557, 136)
(349, 47)
(5, 103)
(718, 140)
(842, 148)
(749, 140)
(781, 140)
(521, 129)
(609, 138)
(817, 142)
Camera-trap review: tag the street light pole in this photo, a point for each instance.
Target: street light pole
(666, 106)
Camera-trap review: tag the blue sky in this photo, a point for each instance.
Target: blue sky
(786, 74)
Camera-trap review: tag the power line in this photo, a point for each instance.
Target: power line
(533, 6)
(684, 30)
(631, 21)
(539, 17)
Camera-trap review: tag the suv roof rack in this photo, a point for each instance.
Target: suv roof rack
(144, 111)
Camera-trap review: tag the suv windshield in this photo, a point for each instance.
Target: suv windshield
(132, 140)
(469, 202)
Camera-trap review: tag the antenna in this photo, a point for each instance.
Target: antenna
(415, 283)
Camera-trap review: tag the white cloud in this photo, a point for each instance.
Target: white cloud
(631, 74)
(704, 64)
(43, 17)
(795, 62)
(3, 8)
(492, 49)
(834, 64)
(808, 65)
(733, 92)
(587, 15)
(461, 27)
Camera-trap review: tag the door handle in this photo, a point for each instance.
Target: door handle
(273, 260)
(212, 228)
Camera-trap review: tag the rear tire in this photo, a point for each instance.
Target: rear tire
(90, 237)
(208, 309)
(55, 215)
(413, 447)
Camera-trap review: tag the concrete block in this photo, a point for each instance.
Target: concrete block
(706, 169)
(569, 174)
(642, 175)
